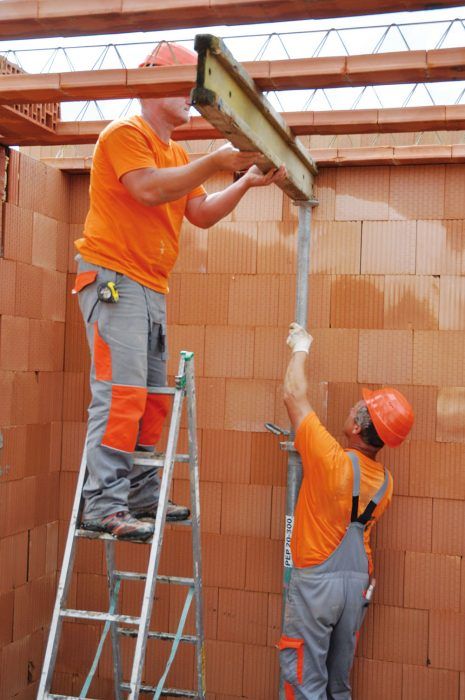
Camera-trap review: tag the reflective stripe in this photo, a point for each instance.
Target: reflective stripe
(126, 409)
(83, 279)
(102, 357)
(298, 645)
(156, 408)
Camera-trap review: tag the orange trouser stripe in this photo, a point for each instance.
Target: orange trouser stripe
(156, 408)
(126, 409)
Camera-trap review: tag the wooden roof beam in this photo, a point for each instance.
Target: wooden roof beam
(41, 18)
(361, 121)
(291, 74)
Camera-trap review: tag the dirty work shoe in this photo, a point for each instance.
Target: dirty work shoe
(122, 525)
(173, 513)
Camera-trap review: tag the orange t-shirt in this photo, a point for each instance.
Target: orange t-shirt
(120, 233)
(324, 505)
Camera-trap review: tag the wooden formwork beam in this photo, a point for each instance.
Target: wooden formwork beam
(333, 122)
(228, 98)
(290, 74)
(37, 18)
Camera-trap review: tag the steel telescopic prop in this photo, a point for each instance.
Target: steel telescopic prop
(294, 463)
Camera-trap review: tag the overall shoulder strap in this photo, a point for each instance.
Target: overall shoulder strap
(365, 517)
(356, 485)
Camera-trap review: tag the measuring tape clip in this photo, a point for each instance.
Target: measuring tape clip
(108, 293)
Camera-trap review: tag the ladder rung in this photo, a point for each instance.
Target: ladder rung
(177, 580)
(180, 523)
(93, 535)
(49, 696)
(136, 576)
(99, 616)
(146, 459)
(165, 636)
(161, 389)
(167, 692)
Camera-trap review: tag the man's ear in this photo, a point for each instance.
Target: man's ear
(356, 430)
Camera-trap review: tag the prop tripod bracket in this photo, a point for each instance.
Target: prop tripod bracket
(286, 445)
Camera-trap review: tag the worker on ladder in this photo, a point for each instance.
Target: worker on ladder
(141, 187)
(343, 494)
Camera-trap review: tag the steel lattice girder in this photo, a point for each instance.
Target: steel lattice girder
(361, 121)
(290, 74)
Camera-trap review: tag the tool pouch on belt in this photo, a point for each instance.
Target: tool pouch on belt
(83, 279)
(94, 286)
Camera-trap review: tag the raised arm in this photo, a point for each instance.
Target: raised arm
(207, 211)
(295, 380)
(153, 186)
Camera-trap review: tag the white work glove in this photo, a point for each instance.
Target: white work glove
(298, 339)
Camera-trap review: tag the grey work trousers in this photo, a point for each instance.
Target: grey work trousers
(128, 353)
(324, 611)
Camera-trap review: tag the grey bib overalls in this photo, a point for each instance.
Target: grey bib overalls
(325, 608)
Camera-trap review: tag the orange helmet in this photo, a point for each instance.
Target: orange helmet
(167, 53)
(391, 413)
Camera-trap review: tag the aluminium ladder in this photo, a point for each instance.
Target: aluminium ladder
(139, 626)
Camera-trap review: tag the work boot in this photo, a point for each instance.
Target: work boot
(173, 513)
(122, 525)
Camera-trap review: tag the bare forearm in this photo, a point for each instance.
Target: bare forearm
(295, 380)
(220, 204)
(169, 184)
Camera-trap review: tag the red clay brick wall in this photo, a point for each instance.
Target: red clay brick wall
(32, 327)
(386, 307)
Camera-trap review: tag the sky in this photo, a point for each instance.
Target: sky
(252, 42)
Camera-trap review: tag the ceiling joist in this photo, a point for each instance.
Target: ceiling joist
(334, 122)
(291, 74)
(42, 18)
(330, 157)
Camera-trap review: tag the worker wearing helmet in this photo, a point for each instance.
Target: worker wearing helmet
(343, 493)
(141, 187)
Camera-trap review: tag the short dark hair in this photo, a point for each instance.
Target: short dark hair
(368, 431)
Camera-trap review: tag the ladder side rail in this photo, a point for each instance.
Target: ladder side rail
(51, 650)
(157, 540)
(195, 518)
(113, 581)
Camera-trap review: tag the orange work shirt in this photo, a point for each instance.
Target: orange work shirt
(324, 504)
(121, 234)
